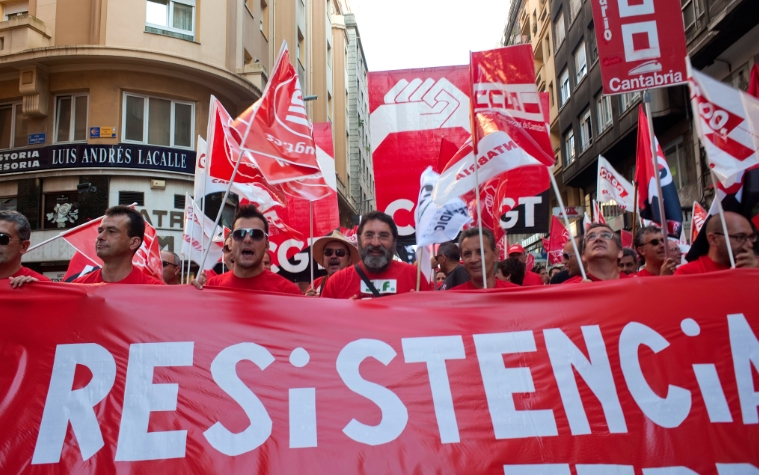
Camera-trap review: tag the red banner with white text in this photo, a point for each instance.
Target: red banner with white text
(141, 380)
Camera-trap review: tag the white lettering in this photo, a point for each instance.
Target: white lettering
(745, 350)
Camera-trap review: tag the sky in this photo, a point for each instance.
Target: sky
(402, 34)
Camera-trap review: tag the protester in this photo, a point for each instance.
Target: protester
(628, 264)
(649, 243)
(229, 261)
(249, 245)
(267, 260)
(675, 252)
(120, 235)
(710, 254)
(377, 274)
(542, 272)
(473, 255)
(171, 267)
(439, 279)
(601, 251)
(530, 278)
(15, 233)
(569, 260)
(553, 271)
(511, 270)
(448, 257)
(334, 253)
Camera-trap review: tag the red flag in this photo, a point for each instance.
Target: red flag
(753, 83)
(558, 238)
(78, 266)
(697, 221)
(598, 216)
(627, 238)
(276, 132)
(350, 233)
(514, 187)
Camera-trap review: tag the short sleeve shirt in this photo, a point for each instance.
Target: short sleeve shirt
(702, 265)
(134, 277)
(25, 271)
(499, 284)
(266, 281)
(456, 277)
(398, 278)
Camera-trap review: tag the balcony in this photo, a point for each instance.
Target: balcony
(22, 33)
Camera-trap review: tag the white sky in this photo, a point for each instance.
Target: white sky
(402, 34)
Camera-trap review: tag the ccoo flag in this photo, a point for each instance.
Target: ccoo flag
(613, 186)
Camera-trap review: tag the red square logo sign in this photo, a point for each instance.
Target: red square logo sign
(641, 44)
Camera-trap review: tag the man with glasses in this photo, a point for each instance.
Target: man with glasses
(248, 246)
(741, 238)
(650, 243)
(171, 267)
(601, 250)
(448, 257)
(120, 235)
(334, 253)
(15, 233)
(378, 274)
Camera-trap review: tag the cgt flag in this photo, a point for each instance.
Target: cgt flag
(613, 186)
(437, 224)
(648, 199)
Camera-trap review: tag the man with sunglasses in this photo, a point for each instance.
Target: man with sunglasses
(15, 233)
(378, 274)
(569, 260)
(334, 253)
(120, 235)
(601, 250)
(741, 237)
(650, 243)
(448, 257)
(249, 244)
(171, 267)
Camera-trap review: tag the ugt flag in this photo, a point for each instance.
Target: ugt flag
(648, 199)
(437, 224)
(613, 186)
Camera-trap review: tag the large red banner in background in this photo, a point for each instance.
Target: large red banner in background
(106, 379)
(411, 111)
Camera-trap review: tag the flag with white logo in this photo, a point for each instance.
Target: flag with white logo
(197, 236)
(613, 186)
(697, 221)
(437, 224)
(79, 265)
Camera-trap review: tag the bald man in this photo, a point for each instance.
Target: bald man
(741, 237)
(171, 267)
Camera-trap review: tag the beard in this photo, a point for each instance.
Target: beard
(376, 264)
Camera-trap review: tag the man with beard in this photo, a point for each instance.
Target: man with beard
(709, 250)
(472, 255)
(650, 243)
(377, 274)
(250, 241)
(601, 250)
(335, 253)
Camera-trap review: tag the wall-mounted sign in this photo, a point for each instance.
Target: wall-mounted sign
(102, 132)
(572, 211)
(145, 157)
(36, 139)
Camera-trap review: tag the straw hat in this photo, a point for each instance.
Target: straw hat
(335, 236)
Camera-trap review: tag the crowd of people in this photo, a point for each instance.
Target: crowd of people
(369, 268)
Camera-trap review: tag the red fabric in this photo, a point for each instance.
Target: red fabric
(346, 283)
(267, 281)
(499, 284)
(135, 363)
(79, 265)
(531, 278)
(701, 265)
(645, 273)
(559, 237)
(30, 273)
(134, 277)
(578, 278)
(317, 284)
(753, 83)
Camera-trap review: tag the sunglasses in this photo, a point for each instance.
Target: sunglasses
(255, 234)
(567, 256)
(337, 252)
(654, 242)
(5, 239)
(167, 263)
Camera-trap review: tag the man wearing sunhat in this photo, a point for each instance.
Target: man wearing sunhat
(530, 278)
(334, 252)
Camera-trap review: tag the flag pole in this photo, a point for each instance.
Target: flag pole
(722, 219)
(566, 224)
(418, 267)
(635, 207)
(655, 159)
(311, 241)
(476, 174)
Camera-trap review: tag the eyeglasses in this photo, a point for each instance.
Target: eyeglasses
(739, 238)
(255, 234)
(604, 235)
(5, 239)
(567, 256)
(167, 263)
(383, 236)
(654, 242)
(337, 252)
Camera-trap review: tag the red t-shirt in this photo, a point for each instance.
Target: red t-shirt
(318, 284)
(25, 271)
(134, 277)
(702, 265)
(266, 281)
(531, 278)
(399, 278)
(499, 284)
(578, 278)
(645, 273)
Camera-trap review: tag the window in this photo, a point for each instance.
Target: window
(683, 173)
(71, 118)
(548, 45)
(61, 210)
(581, 63)
(564, 90)
(13, 127)
(155, 121)
(11, 10)
(739, 78)
(691, 11)
(603, 112)
(574, 7)
(592, 45)
(550, 93)
(586, 130)
(179, 201)
(265, 18)
(558, 31)
(8, 203)
(569, 147)
(177, 16)
(300, 50)
(628, 99)
(126, 198)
